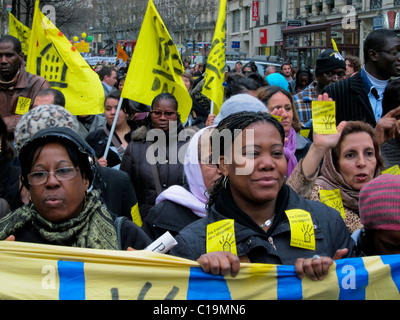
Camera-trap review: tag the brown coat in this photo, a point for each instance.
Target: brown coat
(28, 85)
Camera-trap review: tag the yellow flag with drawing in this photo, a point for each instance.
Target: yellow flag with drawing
(54, 58)
(156, 66)
(215, 69)
(221, 236)
(19, 31)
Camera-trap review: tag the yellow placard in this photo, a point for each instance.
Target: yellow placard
(395, 170)
(22, 105)
(279, 118)
(324, 117)
(301, 229)
(305, 132)
(221, 236)
(333, 199)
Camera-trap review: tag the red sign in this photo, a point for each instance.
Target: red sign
(102, 51)
(255, 14)
(263, 36)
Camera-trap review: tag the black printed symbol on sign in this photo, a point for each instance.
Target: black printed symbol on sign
(23, 104)
(328, 121)
(227, 242)
(147, 286)
(51, 67)
(308, 232)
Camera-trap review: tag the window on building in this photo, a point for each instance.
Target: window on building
(236, 21)
(247, 18)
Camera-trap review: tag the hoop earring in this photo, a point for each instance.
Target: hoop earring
(224, 181)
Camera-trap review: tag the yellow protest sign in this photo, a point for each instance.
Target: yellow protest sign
(221, 236)
(19, 31)
(395, 170)
(215, 69)
(333, 199)
(305, 132)
(156, 66)
(54, 58)
(301, 229)
(324, 116)
(22, 105)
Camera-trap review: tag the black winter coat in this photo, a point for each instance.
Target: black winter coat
(136, 164)
(167, 216)
(273, 246)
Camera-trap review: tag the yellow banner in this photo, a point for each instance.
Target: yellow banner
(54, 58)
(20, 31)
(32, 271)
(215, 69)
(156, 66)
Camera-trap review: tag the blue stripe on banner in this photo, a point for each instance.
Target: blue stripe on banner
(72, 280)
(352, 278)
(204, 286)
(394, 263)
(289, 285)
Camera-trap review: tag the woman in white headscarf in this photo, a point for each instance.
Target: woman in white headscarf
(178, 206)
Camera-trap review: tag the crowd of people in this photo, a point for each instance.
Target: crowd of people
(258, 163)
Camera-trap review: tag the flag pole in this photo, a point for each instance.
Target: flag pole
(113, 128)
(212, 107)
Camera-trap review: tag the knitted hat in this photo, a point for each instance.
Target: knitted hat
(329, 60)
(238, 103)
(276, 79)
(379, 203)
(42, 117)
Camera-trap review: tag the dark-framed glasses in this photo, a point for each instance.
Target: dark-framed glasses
(41, 177)
(167, 114)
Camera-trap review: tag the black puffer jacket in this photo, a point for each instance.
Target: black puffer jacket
(136, 164)
(272, 246)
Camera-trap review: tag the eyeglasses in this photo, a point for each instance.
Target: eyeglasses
(167, 114)
(393, 52)
(61, 174)
(331, 75)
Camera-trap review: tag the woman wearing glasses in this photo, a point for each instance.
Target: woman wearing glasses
(152, 158)
(57, 168)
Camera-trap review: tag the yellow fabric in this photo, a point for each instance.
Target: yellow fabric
(156, 66)
(215, 69)
(33, 271)
(53, 57)
(20, 31)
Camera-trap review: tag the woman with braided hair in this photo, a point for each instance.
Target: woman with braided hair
(253, 196)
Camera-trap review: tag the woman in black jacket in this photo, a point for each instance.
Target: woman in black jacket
(254, 216)
(153, 159)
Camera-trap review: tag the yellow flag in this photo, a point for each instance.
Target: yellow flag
(215, 69)
(121, 54)
(20, 31)
(156, 66)
(54, 58)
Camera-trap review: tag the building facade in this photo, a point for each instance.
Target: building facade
(297, 30)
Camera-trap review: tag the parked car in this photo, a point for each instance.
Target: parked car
(261, 65)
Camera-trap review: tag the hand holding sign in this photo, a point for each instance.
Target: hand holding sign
(324, 115)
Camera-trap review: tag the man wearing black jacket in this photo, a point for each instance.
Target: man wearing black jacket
(360, 97)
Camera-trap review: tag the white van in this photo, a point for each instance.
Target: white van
(261, 65)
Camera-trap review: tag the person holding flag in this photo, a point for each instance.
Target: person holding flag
(18, 87)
